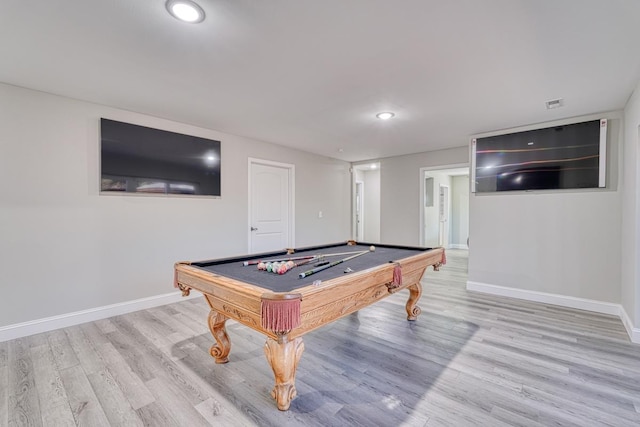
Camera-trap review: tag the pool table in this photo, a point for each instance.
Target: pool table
(286, 306)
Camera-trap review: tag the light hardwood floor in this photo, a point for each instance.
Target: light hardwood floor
(469, 359)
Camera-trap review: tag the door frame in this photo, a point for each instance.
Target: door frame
(421, 174)
(291, 208)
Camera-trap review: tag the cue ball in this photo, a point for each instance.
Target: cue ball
(372, 248)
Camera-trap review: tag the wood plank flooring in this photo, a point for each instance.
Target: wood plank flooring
(470, 359)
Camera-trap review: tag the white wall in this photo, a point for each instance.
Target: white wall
(459, 211)
(558, 242)
(65, 248)
(630, 185)
(400, 186)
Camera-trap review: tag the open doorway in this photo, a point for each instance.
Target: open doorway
(444, 213)
(366, 199)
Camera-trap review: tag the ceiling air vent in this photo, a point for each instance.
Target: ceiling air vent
(554, 103)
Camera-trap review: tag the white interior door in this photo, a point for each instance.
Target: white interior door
(444, 216)
(359, 211)
(270, 206)
(431, 216)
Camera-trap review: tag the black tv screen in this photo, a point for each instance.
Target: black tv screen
(138, 159)
(562, 157)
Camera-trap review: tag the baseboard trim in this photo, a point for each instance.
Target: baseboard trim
(20, 330)
(561, 300)
(458, 246)
(634, 333)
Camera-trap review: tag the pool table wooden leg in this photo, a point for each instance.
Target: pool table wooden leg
(413, 311)
(283, 356)
(220, 350)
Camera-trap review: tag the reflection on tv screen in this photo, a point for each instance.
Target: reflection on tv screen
(138, 159)
(561, 157)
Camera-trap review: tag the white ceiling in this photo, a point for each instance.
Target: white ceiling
(313, 74)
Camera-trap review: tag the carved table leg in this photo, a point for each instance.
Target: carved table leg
(283, 356)
(221, 349)
(413, 311)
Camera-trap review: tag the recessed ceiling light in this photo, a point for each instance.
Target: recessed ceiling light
(186, 11)
(385, 116)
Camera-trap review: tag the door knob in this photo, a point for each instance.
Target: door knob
(254, 228)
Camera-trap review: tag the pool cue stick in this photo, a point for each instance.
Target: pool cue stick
(346, 253)
(333, 264)
(255, 262)
(321, 257)
(307, 261)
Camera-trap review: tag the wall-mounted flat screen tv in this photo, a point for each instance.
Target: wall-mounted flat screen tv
(562, 157)
(138, 159)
